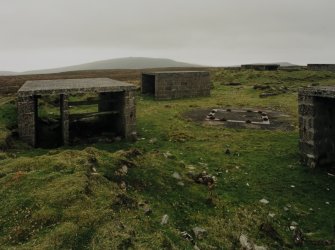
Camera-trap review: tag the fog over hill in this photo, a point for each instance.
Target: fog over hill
(118, 63)
(123, 63)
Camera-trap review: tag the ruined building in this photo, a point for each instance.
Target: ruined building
(317, 126)
(326, 67)
(176, 84)
(261, 66)
(116, 111)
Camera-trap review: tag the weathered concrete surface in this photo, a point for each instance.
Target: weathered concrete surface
(89, 85)
(326, 67)
(114, 96)
(317, 126)
(176, 84)
(261, 66)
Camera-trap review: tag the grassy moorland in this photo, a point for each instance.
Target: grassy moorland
(83, 197)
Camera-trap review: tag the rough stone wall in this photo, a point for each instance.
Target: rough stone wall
(260, 66)
(316, 128)
(306, 129)
(64, 115)
(182, 85)
(129, 114)
(325, 67)
(27, 119)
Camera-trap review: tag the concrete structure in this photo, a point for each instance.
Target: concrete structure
(326, 67)
(261, 66)
(176, 84)
(317, 126)
(114, 96)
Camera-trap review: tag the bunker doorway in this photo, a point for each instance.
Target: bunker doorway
(148, 84)
(324, 131)
(48, 121)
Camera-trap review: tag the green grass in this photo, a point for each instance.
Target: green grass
(70, 198)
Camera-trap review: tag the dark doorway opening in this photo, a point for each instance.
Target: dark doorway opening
(48, 121)
(324, 131)
(95, 117)
(148, 84)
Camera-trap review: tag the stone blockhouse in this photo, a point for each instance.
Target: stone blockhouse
(325, 67)
(176, 84)
(261, 66)
(115, 97)
(317, 126)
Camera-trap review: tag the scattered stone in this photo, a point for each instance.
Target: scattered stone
(176, 176)
(190, 167)
(123, 186)
(292, 186)
(168, 155)
(286, 209)
(145, 207)
(204, 178)
(327, 203)
(122, 171)
(180, 183)
(187, 236)
(199, 232)
(196, 247)
(165, 219)
(153, 141)
(272, 215)
(293, 223)
(244, 241)
(264, 201)
(298, 237)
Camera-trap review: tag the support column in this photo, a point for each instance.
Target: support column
(129, 114)
(306, 130)
(27, 119)
(64, 114)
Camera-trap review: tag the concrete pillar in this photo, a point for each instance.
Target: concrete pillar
(129, 114)
(307, 112)
(64, 115)
(27, 119)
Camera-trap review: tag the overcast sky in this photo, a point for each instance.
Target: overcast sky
(39, 34)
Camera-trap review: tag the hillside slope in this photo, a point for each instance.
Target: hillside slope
(118, 63)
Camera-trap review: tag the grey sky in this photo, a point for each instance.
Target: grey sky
(39, 34)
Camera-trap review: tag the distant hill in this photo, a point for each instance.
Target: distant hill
(7, 73)
(118, 63)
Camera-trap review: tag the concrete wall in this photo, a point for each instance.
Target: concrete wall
(317, 130)
(177, 85)
(326, 67)
(123, 123)
(27, 119)
(261, 66)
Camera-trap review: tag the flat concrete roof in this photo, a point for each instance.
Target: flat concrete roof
(175, 72)
(324, 91)
(64, 86)
(260, 64)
